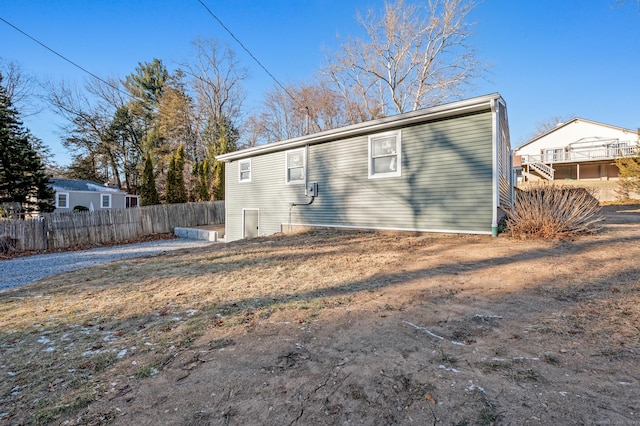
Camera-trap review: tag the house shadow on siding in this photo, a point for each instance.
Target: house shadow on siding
(449, 183)
(445, 185)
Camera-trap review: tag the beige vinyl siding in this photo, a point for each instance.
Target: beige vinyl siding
(446, 183)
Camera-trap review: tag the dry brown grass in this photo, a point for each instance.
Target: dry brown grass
(65, 340)
(71, 328)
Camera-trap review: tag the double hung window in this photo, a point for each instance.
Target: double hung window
(62, 200)
(105, 201)
(295, 166)
(385, 159)
(244, 170)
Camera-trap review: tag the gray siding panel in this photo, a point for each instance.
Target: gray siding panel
(446, 183)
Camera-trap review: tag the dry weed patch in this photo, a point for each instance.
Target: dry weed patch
(548, 211)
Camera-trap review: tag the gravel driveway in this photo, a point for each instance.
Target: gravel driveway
(24, 270)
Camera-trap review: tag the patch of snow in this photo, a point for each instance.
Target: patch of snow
(417, 327)
(488, 316)
(473, 387)
(43, 340)
(121, 354)
(101, 188)
(442, 367)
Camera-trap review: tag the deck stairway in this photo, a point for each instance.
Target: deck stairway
(541, 169)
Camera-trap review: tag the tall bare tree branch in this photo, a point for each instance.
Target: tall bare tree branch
(414, 56)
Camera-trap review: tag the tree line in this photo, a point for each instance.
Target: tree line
(156, 132)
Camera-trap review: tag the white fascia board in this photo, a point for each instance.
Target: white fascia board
(425, 115)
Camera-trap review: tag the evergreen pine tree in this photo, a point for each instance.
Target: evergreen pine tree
(224, 139)
(182, 194)
(203, 181)
(200, 180)
(22, 176)
(148, 191)
(171, 188)
(176, 189)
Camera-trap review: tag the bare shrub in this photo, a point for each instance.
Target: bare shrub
(548, 211)
(7, 244)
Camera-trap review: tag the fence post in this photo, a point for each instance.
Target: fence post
(45, 234)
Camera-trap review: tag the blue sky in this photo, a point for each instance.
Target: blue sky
(546, 58)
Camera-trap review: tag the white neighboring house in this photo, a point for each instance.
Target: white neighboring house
(577, 150)
(70, 193)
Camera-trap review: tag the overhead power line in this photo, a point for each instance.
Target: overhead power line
(251, 54)
(65, 58)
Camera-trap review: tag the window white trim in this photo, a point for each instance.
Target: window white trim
(392, 158)
(247, 173)
(59, 205)
(104, 197)
(288, 167)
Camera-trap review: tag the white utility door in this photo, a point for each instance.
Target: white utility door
(250, 223)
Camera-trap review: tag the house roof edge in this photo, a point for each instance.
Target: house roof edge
(424, 115)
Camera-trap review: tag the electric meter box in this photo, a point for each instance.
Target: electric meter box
(312, 189)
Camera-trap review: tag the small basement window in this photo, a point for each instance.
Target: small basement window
(385, 159)
(62, 200)
(296, 166)
(244, 170)
(105, 201)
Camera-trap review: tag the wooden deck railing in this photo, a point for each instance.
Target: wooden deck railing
(560, 155)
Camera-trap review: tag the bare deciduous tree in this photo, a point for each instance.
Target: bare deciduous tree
(415, 56)
(216, 80)
(20, 88)
(297, 111)
(94, 130)
(547, 125)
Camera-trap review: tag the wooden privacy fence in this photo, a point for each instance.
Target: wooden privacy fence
(62, 230)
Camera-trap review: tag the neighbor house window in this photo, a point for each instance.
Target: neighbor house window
(105, 201)
(62, 200)
(385, 155)
(553, 154)
(295, 166)
(244, 170)
(132, 201)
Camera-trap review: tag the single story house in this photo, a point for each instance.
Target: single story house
(441, 169)
(577, 150)
(70, 193)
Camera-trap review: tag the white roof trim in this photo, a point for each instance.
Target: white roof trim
(428, 114)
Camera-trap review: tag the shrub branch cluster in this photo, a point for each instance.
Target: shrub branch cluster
(548, 211)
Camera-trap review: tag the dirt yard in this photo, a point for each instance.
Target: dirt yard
(336, 328)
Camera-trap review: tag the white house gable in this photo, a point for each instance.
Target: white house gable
(578, 131)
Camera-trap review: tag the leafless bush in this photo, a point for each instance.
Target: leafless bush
(548, 211)
(7, 244)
